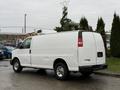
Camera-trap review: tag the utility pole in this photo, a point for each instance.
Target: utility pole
(25, 23)
(22, 30)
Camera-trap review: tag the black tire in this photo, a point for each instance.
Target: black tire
(16, 66)
(86, 74)
(63, 73)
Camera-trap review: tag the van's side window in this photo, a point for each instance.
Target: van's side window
(27, 43)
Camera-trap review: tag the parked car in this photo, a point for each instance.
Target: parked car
(77, 51)
(1, 52)
(1, 55)
(8, 51)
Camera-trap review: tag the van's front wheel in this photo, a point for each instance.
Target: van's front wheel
(16, 66)
(61, 71)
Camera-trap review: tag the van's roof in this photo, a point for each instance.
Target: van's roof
(65, 32)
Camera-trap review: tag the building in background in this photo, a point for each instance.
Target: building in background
(12, 39)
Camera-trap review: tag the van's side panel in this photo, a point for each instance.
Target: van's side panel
(23, 56)
(45, 49)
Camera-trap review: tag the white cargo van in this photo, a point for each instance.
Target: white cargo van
(64, 52)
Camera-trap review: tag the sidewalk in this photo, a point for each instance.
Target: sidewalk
(107, 73)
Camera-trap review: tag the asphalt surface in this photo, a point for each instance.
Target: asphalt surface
(33, 79)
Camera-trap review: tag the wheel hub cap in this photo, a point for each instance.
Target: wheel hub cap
(16, 65)
(60, 71)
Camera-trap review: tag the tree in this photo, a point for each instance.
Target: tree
(58, 29)
(66, 23)
(84, 24)
(101, 29)
(115, 37)
(90, 28)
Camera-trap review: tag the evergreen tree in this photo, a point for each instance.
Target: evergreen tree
(58, 29)
(66, 23)
(84, 24)
(101, 29)
(90, 28)
(115, 37)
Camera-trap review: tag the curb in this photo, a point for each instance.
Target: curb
(108, 74)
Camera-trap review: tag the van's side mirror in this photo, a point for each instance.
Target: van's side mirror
(20, 45)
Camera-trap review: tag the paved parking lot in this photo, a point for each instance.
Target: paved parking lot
(32, 79)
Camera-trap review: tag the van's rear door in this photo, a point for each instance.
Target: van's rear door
(87, 52)
(100, 49)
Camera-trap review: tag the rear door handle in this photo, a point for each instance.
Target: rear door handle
(99, 54)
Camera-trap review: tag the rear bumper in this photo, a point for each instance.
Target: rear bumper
(92, 67)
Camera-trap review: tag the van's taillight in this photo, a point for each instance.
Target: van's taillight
(80, 39)
(80, 42)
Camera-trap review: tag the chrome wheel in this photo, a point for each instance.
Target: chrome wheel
(60, 71)
(16, 65)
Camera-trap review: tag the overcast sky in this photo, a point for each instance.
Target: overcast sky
(47, 13)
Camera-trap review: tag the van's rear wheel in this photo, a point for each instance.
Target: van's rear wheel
(61, 71)
(16, 66)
